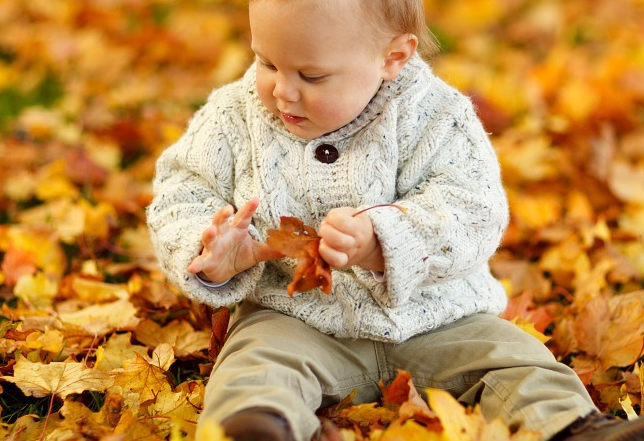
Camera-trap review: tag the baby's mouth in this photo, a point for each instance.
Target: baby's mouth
(291, 119)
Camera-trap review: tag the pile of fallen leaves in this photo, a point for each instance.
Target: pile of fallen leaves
(95, 345)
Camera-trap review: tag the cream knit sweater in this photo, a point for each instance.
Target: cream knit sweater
(418, 143)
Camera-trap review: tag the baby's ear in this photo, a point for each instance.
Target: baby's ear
(399, 51)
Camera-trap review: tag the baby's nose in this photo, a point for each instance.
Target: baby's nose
(286, 91)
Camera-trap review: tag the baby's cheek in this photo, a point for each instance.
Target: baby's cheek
(335, 112)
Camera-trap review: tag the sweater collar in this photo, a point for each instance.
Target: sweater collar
(387, 92)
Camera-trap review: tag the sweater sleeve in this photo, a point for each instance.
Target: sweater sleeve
(195, 178)
(456, 209)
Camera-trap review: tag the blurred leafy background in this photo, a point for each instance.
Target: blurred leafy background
(92, 91)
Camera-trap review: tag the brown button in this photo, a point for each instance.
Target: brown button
(326, 153)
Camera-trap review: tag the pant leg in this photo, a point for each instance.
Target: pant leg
(487, 360)
(275, 361)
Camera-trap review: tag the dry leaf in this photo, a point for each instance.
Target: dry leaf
(184, 339)
(296, 240)
(58, 378)
(101, 319)
(117, 349)
(141, 377)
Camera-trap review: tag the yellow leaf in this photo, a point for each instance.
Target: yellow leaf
(80, 419)
(62, 379)
(101, 319)
(627, 406)
(368, 414)
(233, 61)
(535, 211)
(457, 425)
(176, 405)
(36, 290)
(634, 253)
(61, 215)
(409, 431)
(163, 356)
(51, 340)
(44, 246)
(527, 158)
(141, 377)
(98, 219)
(117, 349)
(20, 186)
(183, 338)
(95, 291)
(133, 428)
(528, 327)
(209, 430)
(626, 180)
(577, 99)
(53, 184)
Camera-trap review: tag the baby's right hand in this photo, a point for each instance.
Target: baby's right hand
(228, 248)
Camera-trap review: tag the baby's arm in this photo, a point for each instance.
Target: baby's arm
(456, 210)
(195, 179)
(228, 248)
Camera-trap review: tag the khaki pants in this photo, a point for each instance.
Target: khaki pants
(272, 360)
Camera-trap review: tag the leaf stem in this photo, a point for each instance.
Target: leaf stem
(44, 428)
(403, 209)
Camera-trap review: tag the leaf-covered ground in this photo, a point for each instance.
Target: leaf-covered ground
(95, 345)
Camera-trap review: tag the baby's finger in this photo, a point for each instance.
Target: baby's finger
(244, 216)
(333, 257)
(209, 234)
(196, 265)
(221, 216)
(335, 238)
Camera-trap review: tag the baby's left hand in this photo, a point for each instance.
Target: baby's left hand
(348, 240)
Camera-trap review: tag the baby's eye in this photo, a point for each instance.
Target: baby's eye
(312, 78)
(267, 65)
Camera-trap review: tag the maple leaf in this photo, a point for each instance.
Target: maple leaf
(141, 377)
(610, 329)
(402, 396)
(80, 419)
(117, 349)
(296, 240)
(56, 378)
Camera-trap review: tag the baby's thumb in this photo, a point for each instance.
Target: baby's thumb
(195, 266)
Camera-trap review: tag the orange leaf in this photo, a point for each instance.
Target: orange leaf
(18, 263)
(398, 391)
(220, 319)
(294, 239)
(402, 393)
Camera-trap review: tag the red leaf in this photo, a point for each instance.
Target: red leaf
(294, 239)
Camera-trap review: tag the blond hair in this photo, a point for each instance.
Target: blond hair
(402, 17)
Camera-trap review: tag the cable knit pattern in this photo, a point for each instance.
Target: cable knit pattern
(418, 144)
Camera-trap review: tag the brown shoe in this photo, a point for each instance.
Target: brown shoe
(257, 424)
(600, 427)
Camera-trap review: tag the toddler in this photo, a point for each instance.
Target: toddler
(338, 113)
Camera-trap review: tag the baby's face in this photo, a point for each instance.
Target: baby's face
(317, 64)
